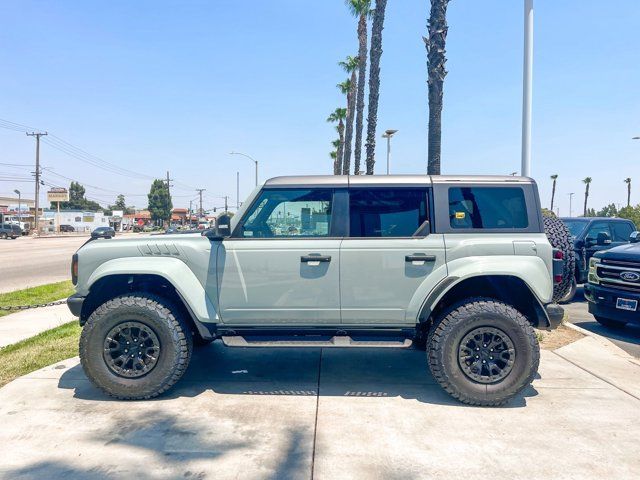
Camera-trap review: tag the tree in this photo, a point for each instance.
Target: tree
(120, 205)
(77, 200)
(159, 201)
(338, 115)
(587, 182)
(374, 82)
(553, 189)
(350, 65)
(336, 165)
(360, 9)
(345, 88)
(337, 170)
(631, 213)
(436, 49)
(608, 211)
(628, 182)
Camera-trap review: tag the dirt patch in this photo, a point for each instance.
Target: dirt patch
(557, 338)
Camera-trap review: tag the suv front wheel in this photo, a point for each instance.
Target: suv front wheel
(134, 346)
(483, 352)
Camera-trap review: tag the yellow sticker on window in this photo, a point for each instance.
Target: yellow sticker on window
(460, 215)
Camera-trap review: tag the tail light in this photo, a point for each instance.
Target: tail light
(558, 254)
(74, 269)
(557, 279)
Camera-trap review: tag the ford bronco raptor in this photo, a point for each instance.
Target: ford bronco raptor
(459, 265)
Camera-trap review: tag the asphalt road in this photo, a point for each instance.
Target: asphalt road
(28, 262)
(627, 338)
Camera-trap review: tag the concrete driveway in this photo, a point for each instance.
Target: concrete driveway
(255, 413)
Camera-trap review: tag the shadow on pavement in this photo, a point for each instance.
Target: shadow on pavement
(346, 372)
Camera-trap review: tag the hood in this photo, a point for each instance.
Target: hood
(630, 251)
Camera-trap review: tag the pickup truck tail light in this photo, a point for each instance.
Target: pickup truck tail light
(558, 265)
(74, 269)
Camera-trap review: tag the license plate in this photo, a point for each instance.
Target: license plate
(626, 304)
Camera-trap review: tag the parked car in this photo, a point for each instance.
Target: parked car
(103, 232)
(461, 265)
(10, 230)
(67, 228)
(613, 290)
(590, 235)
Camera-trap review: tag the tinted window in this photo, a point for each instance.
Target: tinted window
(621, 231)
(386, 212)
(487, 207)
(289, 213)
(598, 227)
(576, 227)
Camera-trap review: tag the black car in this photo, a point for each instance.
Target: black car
(613, 290)
(593, 234)
(103, 232)
(67, 228)
(10, 230)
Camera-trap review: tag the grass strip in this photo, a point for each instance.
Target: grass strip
(35, 295)
(48, 347)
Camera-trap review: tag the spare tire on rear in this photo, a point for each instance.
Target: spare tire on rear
(560, 237)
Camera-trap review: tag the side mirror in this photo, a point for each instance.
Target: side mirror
(634, 237)
(603, 239)
(589, 242)
(222, 229)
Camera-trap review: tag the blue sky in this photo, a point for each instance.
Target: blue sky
(157, 86)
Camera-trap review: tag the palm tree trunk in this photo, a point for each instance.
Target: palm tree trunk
(341, 147)
(351, 110)
(553, 194)
(374, 82)
(629, 194)
(336, 166)
(362, 71)
(586, 197)
(436, 43)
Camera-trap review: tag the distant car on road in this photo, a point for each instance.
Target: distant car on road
(67, 228)
(613, 290)
(9, 230)
(591, 235)
(103, 232)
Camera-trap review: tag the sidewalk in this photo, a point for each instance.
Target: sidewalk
(27, 323)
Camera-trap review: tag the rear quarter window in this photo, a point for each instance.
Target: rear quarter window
(487, 208)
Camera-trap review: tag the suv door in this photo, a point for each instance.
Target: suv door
(591, 247)
(388, 255)
(281, 264)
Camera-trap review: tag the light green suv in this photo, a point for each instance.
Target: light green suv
(460, 266)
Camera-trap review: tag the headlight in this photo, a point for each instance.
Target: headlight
(593, 272)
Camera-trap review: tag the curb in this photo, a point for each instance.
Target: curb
(608, 344)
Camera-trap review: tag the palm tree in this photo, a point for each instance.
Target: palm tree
(350, 65)
(374, 81)
(337, 166)
(360, 9)
(587, 182)
(338, 115)
(436, 44)
(553, 189)
(628, 182)
(345, 88)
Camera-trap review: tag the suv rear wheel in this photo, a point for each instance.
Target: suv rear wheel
(483, 352)
(134, 346)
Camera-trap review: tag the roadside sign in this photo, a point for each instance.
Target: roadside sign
(58, 195)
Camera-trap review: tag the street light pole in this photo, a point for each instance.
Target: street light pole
(237, 191)
(17, 192)
(250, 158)
(527, 82)
(571, 204)
(388, 134)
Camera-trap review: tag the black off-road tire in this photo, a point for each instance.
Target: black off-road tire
(560, 237)
(608, 323)
(3, 236)
(154, 312)
(456, 324)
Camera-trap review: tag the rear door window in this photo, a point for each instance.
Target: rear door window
(487, 208)
(621, 231)
(386, 212)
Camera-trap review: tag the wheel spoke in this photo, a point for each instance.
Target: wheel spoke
(131, 349)
(486, 354)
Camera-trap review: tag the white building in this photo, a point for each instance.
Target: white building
(80, 221)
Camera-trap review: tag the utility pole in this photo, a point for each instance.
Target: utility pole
(190, 202)
(571, 204)
(200, 190)
(237, 191)
(37, 174)
(527, 81)
(226, 207)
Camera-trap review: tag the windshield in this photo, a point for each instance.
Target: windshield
(576, 227)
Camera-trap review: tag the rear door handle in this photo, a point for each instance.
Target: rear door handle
(315, 258)
(419, 257)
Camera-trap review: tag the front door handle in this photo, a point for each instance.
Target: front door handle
(315, 258)
(419, 257)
